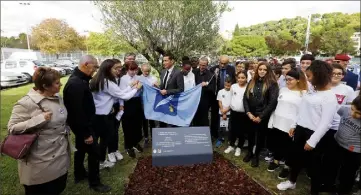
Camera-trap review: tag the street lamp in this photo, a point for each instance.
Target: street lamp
(27, 27)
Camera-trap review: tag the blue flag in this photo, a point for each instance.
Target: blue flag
(178, 109)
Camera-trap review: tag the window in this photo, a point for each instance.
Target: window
(23, 63)
(10, 64)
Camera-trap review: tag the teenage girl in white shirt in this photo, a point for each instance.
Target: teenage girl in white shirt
(316, 113)
(283, 118)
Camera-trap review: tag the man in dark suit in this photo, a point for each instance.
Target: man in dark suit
(205, 77)
(171, 78)
(221, 71)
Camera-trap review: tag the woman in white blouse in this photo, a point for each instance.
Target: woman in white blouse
(316, 113)
(283, 118)
(105, 93)
(133, 112)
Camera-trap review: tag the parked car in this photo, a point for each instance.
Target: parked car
(67, 69)
(68, 63)
(26, 67)
(10, 79)
(60, 70)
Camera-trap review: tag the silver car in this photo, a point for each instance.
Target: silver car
(10, 79)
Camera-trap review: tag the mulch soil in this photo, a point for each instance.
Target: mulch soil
(219, 178)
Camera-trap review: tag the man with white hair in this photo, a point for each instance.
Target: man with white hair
(152, 81)
(79, 103)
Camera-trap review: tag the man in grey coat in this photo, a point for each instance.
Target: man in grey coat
(171, 79)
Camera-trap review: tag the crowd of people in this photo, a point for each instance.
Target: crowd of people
(307, 116)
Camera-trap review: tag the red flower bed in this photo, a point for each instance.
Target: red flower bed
(218, 178)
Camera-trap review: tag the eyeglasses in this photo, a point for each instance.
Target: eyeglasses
(337, 74)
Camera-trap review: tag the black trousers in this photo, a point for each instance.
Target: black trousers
(239, 123)
(280, 144)
(201, 118)
(93, 160)
(104, 130)
(257, 133)
(222, 130)
(132, 122)
(54, 187)
(113, 143)
(114, 140)
(329, 164)
(214, 117)
(349, 163)
(300, 157)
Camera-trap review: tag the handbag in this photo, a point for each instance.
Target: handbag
(17, 146)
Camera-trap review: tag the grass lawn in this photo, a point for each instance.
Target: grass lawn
(117, 177)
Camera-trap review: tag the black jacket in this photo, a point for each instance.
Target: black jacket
(230, 71)
(259, 104)
(208, 91)
(79, 103)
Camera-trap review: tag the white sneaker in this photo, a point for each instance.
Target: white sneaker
(281, 162)
(238, 152)
(106, 164)
(111, 158)
(286, 185)
(118, 155)
(229, 149)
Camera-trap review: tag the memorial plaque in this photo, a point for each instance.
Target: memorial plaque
(181, 146)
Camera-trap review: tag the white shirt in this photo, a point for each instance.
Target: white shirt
(287, 109)
(344, 93)
(150, 80)
(127, 80)
(282, 82)
(225, 97)
(169, 73)
(316, 112)
(355, 94)
(237, 94)
(189, 81)
(249, 75)
(104, 100)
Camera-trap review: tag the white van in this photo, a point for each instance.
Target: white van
(23, 55)
(26, 67)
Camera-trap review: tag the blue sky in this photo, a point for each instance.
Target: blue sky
(84, 16)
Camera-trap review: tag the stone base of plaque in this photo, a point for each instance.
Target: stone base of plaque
(181, 146)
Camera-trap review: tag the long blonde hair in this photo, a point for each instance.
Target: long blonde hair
(268, 79)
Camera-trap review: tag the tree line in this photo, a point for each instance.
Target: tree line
(330, 34)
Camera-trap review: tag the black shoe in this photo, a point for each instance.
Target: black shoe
(81, 178)
(255, 162)
(284, 173)
(272, 166)
(101, 188)
(138, 148)
(248, 157)
(131, 153)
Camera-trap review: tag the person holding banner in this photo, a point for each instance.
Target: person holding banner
(132, 111)
(207, 79)
(105, 91)
(151, 81)
(172, 81)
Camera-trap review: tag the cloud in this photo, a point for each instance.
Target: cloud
(81, 15)
(84, 15)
